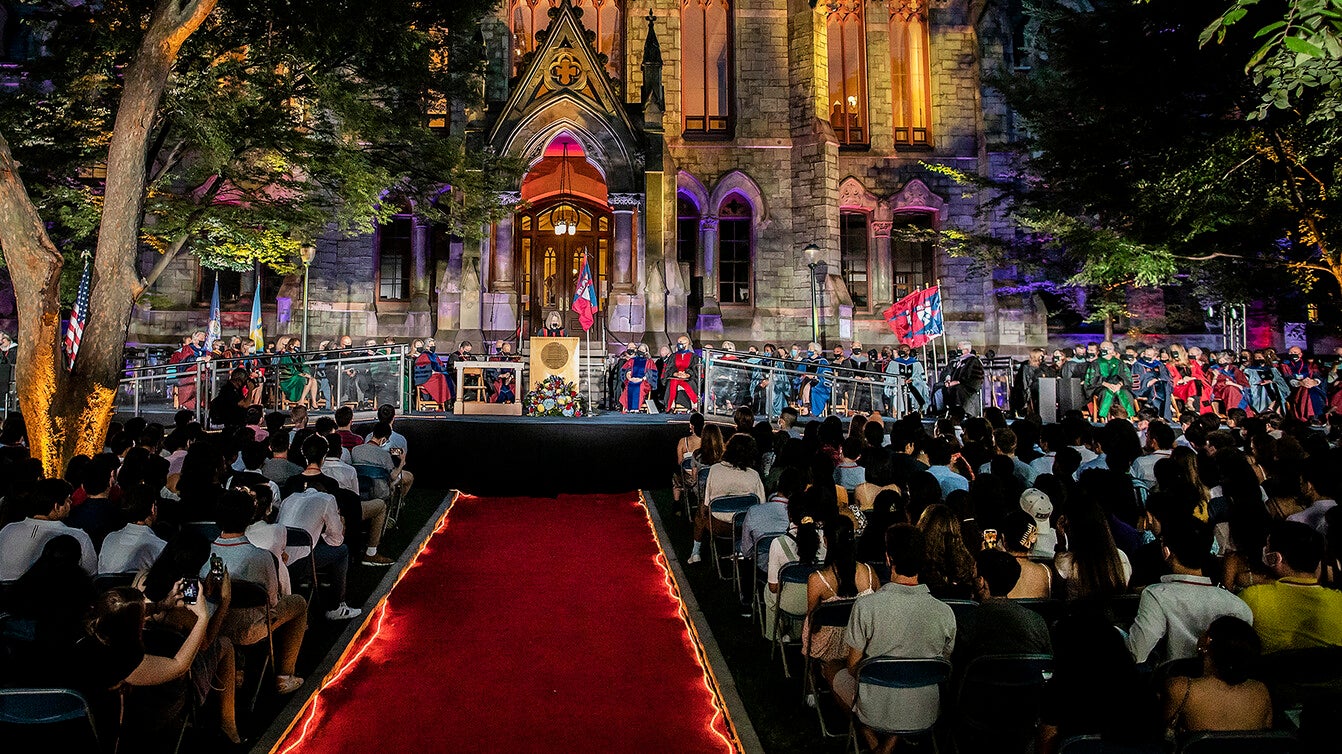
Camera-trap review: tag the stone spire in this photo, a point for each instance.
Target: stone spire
(653, 94)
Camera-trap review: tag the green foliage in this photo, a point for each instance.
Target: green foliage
(1298, 63)
(283, 119)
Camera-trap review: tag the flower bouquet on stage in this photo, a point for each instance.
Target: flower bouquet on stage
(554, 396)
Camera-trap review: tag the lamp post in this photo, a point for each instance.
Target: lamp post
(307, 253)
(812, 253)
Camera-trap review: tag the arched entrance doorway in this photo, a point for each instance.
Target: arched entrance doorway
(567, 217)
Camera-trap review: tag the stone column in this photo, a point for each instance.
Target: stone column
(502, 259)
(882, 275)
(708, 244)
(624, 207)
(419, 265)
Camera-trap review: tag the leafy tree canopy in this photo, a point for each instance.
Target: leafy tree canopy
(282, 118)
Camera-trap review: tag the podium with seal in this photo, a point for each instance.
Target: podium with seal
(554, 356)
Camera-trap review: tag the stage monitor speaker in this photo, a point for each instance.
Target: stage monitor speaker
(551, 356)
(1071, 397)
(1048, 400)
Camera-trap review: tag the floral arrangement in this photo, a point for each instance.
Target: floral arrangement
(554, 397)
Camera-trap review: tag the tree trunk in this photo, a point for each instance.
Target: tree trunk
(1109, 327)
(68, 413)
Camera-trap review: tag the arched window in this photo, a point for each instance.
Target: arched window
(603, 18)
(854, 259)
(706, 60)
(735, 277)
(847, 71)
(910, 72)
(393, 260)
(687, 230)
(912, 253)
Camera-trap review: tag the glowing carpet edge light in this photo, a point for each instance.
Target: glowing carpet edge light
(351, 656)
(709, 678)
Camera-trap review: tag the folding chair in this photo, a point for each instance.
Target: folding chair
(1093, 744)
(250, 594)
(735, 506)
(998, 702)
(790, 601)
(296, 537)
(898, 696)
(1240, 742)
(964, 610)
(207, 529)
(1048, 609)
(688, 489)
(835, 614)
(375, 484)
(105, 582)
(759, 588)
(57, 719)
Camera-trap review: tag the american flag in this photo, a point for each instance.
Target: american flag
(74, 333)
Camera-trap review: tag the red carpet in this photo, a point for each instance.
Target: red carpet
(525, 625)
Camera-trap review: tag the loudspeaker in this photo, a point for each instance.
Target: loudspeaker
(1071, 397)
(1048, 400)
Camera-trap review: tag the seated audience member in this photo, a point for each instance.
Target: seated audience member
(1000, 626)
(373, 453)
(1096, 689)
(848, 474)
(315, 512)
(112, 655)
(401, 479)
(344, 418)
(1160, 438)
(733, 475)
(901, 619)
(887, 509)
(278, 468)
(1090, 564)
(21, 542)
(286, 614)
(939, 455)
(135, 546)
(263, 532)
(1180, 607)
(1006, 441)
(905, 465)
(1295, 611)
(685, 449)
(55, 594)
(1319, 488)
(336, 465)
(1017, 538)
(802, 544)
(97, 513)
(841, 578)
(1224, 698)
(770, 517)
(948, 566)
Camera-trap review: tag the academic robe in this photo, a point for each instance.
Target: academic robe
(430, 379)
(638, 379)
(1228, 385)
(1307, 403)
(917, 396)
(680, 382)
(1153, 382)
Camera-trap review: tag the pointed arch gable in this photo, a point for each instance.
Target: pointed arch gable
(690, 186)
(737, 182)
(917, 197)
(854, 195)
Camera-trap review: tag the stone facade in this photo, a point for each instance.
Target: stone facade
(782, 158)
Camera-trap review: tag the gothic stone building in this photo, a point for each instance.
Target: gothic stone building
(691, 149)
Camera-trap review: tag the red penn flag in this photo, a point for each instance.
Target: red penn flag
(916, 319)
(584, 298)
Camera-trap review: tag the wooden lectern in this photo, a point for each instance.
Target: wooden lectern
(551, 356)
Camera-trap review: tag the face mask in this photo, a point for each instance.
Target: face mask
(681, 347)
(795, 353)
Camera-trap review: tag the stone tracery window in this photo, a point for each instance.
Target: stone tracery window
(910, 72)
(706, 62)
(846, 27)
(735, 273)
(604, 18)
(854, 256)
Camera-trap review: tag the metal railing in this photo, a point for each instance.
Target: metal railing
(360, 377)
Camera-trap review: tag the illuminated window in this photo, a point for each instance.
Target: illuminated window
(230, 285)
(687, 230)
(910, 72)
(393, 260)
(854, 260)
(601, 17)
(847, 71)
(734, 273)
(706, 58)
(912, 253)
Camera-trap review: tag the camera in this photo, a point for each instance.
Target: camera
(191, 591)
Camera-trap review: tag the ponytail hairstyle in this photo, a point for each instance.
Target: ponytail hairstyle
(802, 514)
(841, 554)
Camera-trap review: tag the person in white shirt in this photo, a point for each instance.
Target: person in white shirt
(1181, 607)
(134, 547)
(21, 542)
(268, 536)
(1319, 488)
(334, 467)
(315, 512)
(733, 475)
(1160, 436)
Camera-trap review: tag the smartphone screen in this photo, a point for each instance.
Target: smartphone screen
(191, 591)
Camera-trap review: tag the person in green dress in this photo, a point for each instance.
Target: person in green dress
(296, 382)
(1115, 382)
